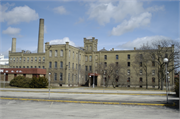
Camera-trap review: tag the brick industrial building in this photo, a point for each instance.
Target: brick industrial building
(71, 65)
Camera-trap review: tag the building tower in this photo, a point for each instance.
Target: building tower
(41, 36)
(13, 48)
(90, 44)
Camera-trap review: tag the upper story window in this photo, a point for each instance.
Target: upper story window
(61, 53)
(50, 53)
(117, 57)
(14, 59)
(31, 59)
(96, 64)
(128, 71)
(35, 58)
(50, 64)
(86, 58)
(55, 76)
(140, 79)
(61, 76)
(43, 58)
(128, 64)
(90, 58)
(76, 56)
(11, 58)
(90, 68)
(69, 65)
(24, 59)
(166, 55)
(73, 66)
(56, 52)
(153, 72)
(20, 59)
(128, 80)
(105, 57)
(153, 79)
(116, 63)
(28, 59)
(86, 68)
(55, 65)
(128, 56)
(61, 64)
(39, 59)
(105, 64)
(90, 48)
(17, 59)
(86, 47)
(140, 71)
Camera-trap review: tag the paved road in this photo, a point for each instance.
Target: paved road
(15, 109)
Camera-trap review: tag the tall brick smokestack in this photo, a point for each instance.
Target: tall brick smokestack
(41, 36)
(13, 47)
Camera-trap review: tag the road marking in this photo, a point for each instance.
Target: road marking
(148, 104)
(86, 93)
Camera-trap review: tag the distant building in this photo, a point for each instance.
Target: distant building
(4, 62)
(70, 66)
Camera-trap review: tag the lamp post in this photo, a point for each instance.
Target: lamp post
(4, 79)
(93, 80)
(49, 85)
(166, 61)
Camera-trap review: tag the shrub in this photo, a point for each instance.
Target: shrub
(21, 81)
(177, 86)
(40, 82)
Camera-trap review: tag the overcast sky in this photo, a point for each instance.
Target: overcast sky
(116, 24)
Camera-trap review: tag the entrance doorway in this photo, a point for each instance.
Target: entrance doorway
(95, 80)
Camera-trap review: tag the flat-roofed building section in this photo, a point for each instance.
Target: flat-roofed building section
(11, 73)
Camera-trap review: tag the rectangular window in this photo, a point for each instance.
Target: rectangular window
(31, 59)
(128, 56)
(90, 68)
(140, 64)
(31, 66)
(76, 56)
(69, 65)
(17, 59)
(90, 58)
(39, 66)
(19, 66)
(105, 64)
(73, 66)
(61, 65)
(153, 63)
(24, 59)
(56, 52)
(128, 64)
(55, 65)
(50, 53)
(34, 66)
(14, 59)
(50, 64)
(43, 59)
(43, 67)
(86, 68)
(86, 58)
(140, 71)
(140, 79)
(153, 80)
(28, 59)
(39, 59)
(61, 53)
(128, 80)
(20, 59)
(61, 76)
(11, 58)
(105, 57)
(55, 76)
(35, 58)
(128, 71)
(16, 66)
(96, 64)
(153, 72)
(116, 56)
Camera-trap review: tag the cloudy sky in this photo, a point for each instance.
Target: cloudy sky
(119, 24)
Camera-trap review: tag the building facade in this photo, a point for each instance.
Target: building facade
(72, 66)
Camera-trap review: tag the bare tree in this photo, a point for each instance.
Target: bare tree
(157, 51)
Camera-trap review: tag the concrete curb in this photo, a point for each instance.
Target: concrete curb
(86, 93)
(87, 102)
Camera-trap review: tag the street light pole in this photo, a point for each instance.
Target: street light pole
(4, 79)
(165, 61)
(93, 81)
(49, 85)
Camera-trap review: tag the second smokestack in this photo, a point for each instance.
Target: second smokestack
(41, 36)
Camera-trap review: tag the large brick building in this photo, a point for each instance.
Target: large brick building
(71, 65)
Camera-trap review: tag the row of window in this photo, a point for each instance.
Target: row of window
(43, 67)
(24, 59)
(140, 72)
(61, 65)
(90, 68)
(61, 54)
(140, 79)
(60, 76)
